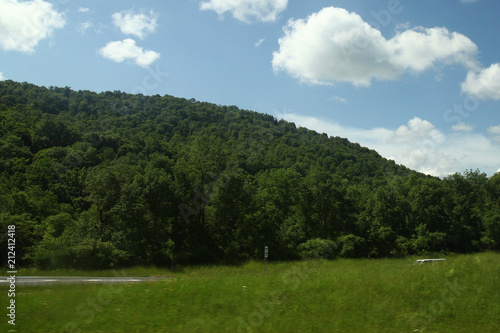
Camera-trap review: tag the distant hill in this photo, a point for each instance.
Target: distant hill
(99, 179)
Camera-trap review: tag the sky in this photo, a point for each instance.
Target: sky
(417, 81)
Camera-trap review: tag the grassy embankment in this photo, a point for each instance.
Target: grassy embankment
(461, 294)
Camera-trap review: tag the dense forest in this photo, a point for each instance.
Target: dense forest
(97, 180)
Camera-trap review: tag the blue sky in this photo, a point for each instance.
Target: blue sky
(418, 81)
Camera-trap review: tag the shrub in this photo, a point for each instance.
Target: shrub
(351, 246)
(317, 248)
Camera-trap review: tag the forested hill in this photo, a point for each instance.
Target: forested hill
(117, 124)
(112, 179)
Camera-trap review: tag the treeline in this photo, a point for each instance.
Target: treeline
(112, 179)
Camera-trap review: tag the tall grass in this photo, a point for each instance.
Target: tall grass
(461, 294)
(134, 271)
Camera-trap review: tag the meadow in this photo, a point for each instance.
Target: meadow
(461, 294)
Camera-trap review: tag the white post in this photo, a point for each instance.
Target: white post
(266, 253)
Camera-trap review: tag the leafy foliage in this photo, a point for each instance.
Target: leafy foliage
(112, 179)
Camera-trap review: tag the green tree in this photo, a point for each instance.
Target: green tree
(279, 218)
(326, 208)
(466, 205)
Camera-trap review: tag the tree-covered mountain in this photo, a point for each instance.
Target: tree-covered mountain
(112, 179)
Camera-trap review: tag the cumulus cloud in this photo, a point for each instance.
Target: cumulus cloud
(24, 24)
(334, 45)
(483, 84)
(420, 48)
(137, 24)
(246, 10)
(83, 9)
(1, 76)
(417, 129)
(128, 50)
(419, 145)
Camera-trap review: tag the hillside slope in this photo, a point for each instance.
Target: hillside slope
(92, 180)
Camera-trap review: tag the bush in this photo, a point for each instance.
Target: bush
(352, 246)
(426, 241)
(96, 254)
(317, 248)
(88, 254)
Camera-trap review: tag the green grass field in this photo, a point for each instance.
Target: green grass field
(461, 294)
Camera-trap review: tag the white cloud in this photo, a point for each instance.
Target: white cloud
(137, 24)
(483, 84)
(259, 42)
(82, 27)
(420, 48)
(462, 127)
(83, 9)
(127, 50)
(468, 1)
(24, 24)
(245, 10)
(418, 145)
(334, 45)
(339, 99)
(494, 130)
(416, 130)
(1, 76)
